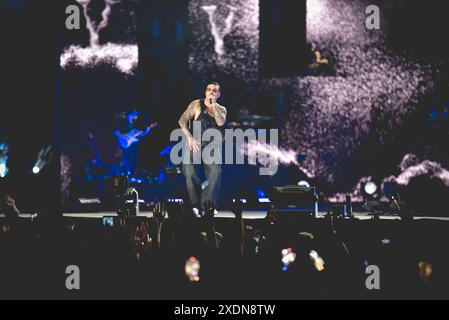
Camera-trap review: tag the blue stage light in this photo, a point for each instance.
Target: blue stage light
(4, 150)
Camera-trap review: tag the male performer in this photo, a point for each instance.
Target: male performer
(128, 136)
(209, 115)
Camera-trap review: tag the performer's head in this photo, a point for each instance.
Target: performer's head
(213, 90)
(133, 116)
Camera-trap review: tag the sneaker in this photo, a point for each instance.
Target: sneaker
(197, 212)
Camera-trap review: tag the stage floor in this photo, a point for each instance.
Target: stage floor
(250, 215)
(247, 215)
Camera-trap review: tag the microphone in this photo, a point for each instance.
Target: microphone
(396, 203)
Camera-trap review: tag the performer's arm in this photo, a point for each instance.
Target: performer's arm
(219, 113)
(186, 117)
(117, 133)
(183, 123)
(144, 133)
(148, 130)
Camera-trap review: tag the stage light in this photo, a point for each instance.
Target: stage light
(89, 201)
(140, 201)
(262, 196)
(261, 193)
(3, 170)
(303, 184)
(44, 157)
(176, 201)
(370, 188)
(4, 150)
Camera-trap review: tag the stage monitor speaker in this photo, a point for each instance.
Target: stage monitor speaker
(295, 198)
(282, 48)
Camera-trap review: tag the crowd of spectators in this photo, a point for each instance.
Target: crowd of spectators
(176, 255)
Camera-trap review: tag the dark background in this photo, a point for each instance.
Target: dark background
(30, 99)
(37, 94)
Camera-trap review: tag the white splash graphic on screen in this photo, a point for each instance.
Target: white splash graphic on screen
(412, 168)
(266, 152)
(122, 57)
(219, 36)
(332, 117)
(94, 30)
(225, 38)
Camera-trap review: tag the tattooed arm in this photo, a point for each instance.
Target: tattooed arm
(219, 113)
(184, 124)
(186, 117)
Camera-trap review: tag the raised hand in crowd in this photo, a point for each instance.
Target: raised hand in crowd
(159, 216)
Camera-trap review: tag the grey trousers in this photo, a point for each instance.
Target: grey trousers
(198, 196)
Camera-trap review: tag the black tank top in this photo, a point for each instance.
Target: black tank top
(207, 122)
